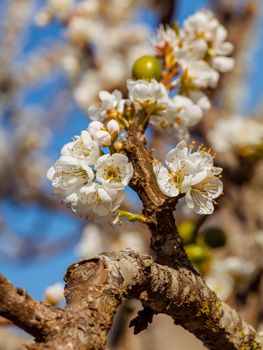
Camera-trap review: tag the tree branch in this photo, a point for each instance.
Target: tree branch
(157, 208)
(96, 286)
(25, 312)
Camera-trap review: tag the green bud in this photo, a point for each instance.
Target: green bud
(187, 231)
(214, 237)
(147, 67)
(197, 254)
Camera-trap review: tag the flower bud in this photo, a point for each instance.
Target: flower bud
(94, 127)
(118, 146)
(100, 134)
(103, 138)
(113, 128)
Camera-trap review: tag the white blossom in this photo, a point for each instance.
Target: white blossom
(108, 102)
(83, 147)
(129, 239)
(60, 8)
(223, 64)
(180, 111)
(54, 294)
(113, 69)
(78, 29)
(101, 200)
(199, 74)
(200, 99)
(87, 89)
(166, 35)
(67, 176)
(70, 173)
(191, 173)
(236, 132)
(114, 171)
(219, 280)
(242, 271)
(201, 196)
(99, 133)
(113, 128)
(91, 242)
(151, 91)
(203, 29)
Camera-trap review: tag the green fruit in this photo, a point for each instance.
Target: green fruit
(187, 231)
(214, 237)
(147, 67)
(197, 254)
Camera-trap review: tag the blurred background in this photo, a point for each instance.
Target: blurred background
(55, 56)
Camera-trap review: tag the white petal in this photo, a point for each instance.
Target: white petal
(223, 64)
(165, 181)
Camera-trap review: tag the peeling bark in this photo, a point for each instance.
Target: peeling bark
(95, 287)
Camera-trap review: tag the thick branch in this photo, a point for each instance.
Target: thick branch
(25, 312)
(157, 208)
(95, 287)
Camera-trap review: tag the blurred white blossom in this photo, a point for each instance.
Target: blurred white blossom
(54, 294)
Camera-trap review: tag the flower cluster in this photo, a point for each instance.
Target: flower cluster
(192, 57)
(238, 133)
(192, 174)
(229, 274)
(95, 240)
(87, 180)
(91, 181)
(95, 61)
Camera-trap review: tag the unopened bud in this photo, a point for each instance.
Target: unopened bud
(113, 128)
(118, 146)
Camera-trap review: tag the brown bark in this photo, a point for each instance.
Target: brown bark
(95, 288)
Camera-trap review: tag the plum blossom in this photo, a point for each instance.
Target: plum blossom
(200, 99)
(104, 135)
(87, 182)
(83, 147)
(114, 171)
(91, 242)
(113, 127)
(101, 200)
(99, 133)
(181, 112)
(150, 91)
(198, 74)
(166, 35)
(236, 133)
(192, 174)
(70, 173)
(109, 103)
(205, 31)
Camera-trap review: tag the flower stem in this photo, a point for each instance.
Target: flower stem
(132, 217)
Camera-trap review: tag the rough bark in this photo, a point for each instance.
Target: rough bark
(95, 287)
(157, 208)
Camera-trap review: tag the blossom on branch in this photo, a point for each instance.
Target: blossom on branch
(192, 174)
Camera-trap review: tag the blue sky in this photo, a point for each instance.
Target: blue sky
(36, 276)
